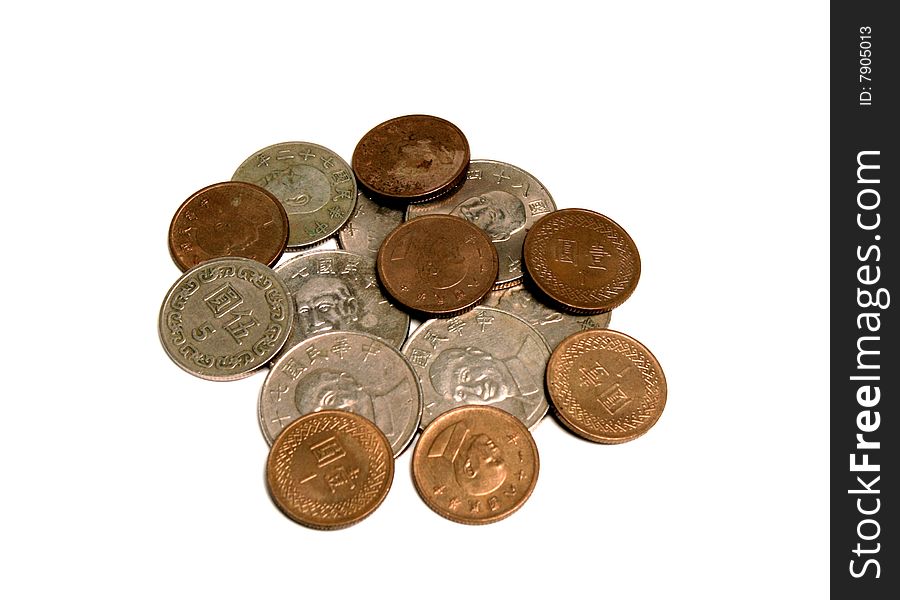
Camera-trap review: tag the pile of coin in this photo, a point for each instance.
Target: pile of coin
(513, 295)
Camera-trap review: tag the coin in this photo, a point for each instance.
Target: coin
(329, 469)
(582, 260)
(437, 264)
(315, 185)
(335, 290)
(475, 465)
(504, 201)
(553, 325)
(606, 386)
(228, 219)
(485, 356)
(225, 318)
(412, 158)
(348, 371)
(368, 226)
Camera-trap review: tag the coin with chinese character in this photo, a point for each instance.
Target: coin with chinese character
(485, 356)
(228, 219)
(225, 318)
(315, 185)
(335, 290)
(475, 465)
(582, 260)
(504, 202)
(438, 265)
(370, 224)
(343, 371)
(606, 386)
(329, 469)
(553, 325)
(412, 158)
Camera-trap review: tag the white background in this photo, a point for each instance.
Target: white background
(701, 127)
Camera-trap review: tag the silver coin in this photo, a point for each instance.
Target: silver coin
(369, 225)
(334, 290)
(315, 185)
(504, 201)
(554, 326)
(485, 356)
(225, 318)
(343, 370)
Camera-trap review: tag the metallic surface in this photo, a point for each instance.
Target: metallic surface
(437, 265)
(606, 386)
(475, 465)
(329, 469)
(553, 325)
(485, 356)
(345, 371)
(315, 185)
(501, 199)
(583, 260)
(413, 158)
(225, 318)
(335, 290)
(228, 219)
(368, 226)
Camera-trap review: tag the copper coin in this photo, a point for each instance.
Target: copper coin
(228, 219)
(582, 260)
(606, 386)
(412, 159)
(330, 469)
(475, 465)
(439, 265)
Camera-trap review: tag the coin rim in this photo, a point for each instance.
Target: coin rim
(576, 307)
(277, 363)
(284, 220)
(432, 194)
(456, 309)
(582, 432)
(449, 414)
(285, 510)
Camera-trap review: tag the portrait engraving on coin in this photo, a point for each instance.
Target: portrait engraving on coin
(224, 318)
(348, 371)
(475, 464)
(483, 357)
(335, 290)
(316, 187)
(370, 223)
(503, 201)
(550, 322)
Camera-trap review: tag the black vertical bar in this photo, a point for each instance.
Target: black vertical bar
(865, 225)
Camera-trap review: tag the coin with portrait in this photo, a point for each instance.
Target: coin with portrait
(483, 357)
(343, 370)
(475, 465)
(501, 199)
(335, 290)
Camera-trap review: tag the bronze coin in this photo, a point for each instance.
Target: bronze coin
(412, 159)
(439, 265)
(606, 386)
(228, 219)
(582, 260)
(330, 469)
(475, 465)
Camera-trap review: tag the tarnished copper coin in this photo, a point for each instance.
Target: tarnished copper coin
(582, 260)
(228, 219)
(329, 469)
(412, 158)
(475, 465)
(439, 265)
(606, 386)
